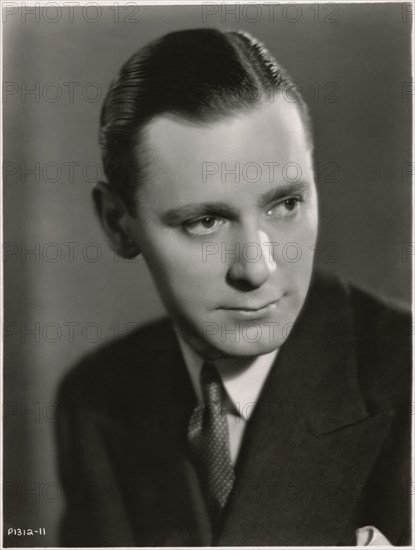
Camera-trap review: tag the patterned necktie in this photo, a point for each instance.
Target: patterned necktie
(209, 442)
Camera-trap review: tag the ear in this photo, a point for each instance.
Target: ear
(115, 220)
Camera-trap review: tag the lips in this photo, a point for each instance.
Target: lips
(252, 307)
(250, 313)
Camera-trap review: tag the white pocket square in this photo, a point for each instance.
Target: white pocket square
(370, 536)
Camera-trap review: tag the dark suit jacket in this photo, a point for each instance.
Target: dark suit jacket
(326, 451)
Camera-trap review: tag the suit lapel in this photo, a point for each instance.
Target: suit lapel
(310, 443)
(184, 511)
(158, 483)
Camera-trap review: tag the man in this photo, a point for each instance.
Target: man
(272, 408)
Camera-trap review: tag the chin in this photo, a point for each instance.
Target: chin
(236, 345)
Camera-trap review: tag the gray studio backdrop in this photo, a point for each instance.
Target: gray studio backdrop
(66, 293)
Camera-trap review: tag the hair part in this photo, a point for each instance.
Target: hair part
(201, 75)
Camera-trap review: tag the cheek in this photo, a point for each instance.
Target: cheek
(181, 269)
(297, 242)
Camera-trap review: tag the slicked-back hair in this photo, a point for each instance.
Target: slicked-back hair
(199, 75)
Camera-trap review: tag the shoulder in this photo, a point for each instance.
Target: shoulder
(122, 369)
(378, 333)
(383, 343)
(375, 319)
(378, 318)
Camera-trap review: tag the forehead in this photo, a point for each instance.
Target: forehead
(182, 152)
(268, 131)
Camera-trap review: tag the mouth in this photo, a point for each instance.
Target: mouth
(253, 311)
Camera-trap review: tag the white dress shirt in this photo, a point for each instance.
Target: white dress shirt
(242, 385)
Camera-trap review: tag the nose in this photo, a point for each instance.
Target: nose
(254, 262)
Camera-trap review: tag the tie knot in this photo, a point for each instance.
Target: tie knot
(209, 374)
(212, 387)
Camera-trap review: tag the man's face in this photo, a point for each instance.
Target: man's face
(227, 222)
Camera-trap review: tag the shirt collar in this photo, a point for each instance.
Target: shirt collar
(242, 385)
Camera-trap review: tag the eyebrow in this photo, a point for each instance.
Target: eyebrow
(278, 193)
(175, 216)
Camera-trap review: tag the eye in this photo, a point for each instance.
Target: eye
(203, 226)
(285, 208)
